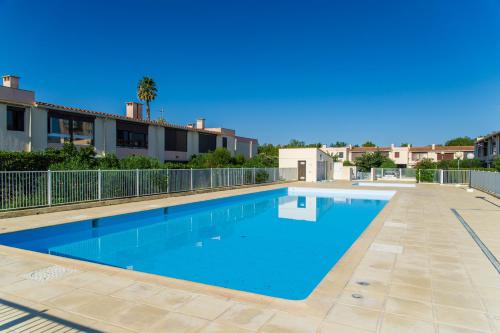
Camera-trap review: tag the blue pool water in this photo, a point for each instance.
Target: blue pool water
(278, 243)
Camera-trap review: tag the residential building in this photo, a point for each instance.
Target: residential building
(30, 125)
(313, 164)
(487, 147)
(403, 157)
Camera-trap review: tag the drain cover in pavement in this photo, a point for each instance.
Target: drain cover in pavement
(48, 273)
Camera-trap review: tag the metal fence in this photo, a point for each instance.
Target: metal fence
(395, 173)
(486, 181)
(29, 189)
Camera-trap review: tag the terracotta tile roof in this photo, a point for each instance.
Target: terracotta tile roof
(366, 149)
(118, 117)
(243, 139)
(442, 148)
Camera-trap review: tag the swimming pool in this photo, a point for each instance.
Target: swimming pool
(279, 243)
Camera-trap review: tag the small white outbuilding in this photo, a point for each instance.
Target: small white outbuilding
(313, 164)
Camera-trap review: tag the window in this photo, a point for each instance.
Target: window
(224, 142)
(341, 154)
(64, 127)
(207, 142)
(15, 118)
(175, 139)
(131, 135)
(396, 154)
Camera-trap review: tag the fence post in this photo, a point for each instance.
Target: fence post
(191, 179)
(242, 176)
(253, 177)
(228, 177)
(99, 185)
(49, 187)
(168, 180)
(470, 178)
(137, 182)
(211, 178)
(441, 174)
(400, 173)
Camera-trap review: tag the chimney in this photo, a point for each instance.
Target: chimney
(11, 81)
(200, 123)
(433, 146)
(134, 110)
(190, 125)
(392, 145)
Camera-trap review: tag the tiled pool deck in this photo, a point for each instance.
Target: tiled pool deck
(424, 272)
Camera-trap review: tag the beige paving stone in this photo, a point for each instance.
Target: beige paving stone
(102, 307)
(178, 323)
(207, 307)
(363, 299)
(215, 327)
(107, 285)
(461, 299)
(82, 278)
(284, 322)
(415, 309)
(327, 327)
(35, 290)
(169, 299)
(139, 317)
(354, 316)
(138, 291)
(462, 318)
(71, 300)
(453, 329)
(399, 324)
(245, 316)
(411, 292)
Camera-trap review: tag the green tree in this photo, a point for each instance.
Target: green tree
(405, 144)
(294, 143)
(388, 163)
(370, 160)
(368, 144)
(496, 163)
(460, 141)
(268, 149)
(146, 91)
(338, 144)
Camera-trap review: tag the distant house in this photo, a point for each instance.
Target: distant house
(403, 157)
(488, 147)
(28, 125)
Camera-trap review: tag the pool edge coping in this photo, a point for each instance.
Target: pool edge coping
(336, 278)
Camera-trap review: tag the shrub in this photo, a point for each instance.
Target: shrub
(261, 176)
(347, 163)
(495, 164)
(140, 162)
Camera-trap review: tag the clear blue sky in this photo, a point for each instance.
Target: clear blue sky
(387, 71)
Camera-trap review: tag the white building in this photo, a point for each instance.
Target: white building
(487, 147)
(313, 164)
(28, 125)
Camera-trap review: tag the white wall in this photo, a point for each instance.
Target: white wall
(156, 142)
(105, 136)
(39, 129)
(192, 143)
(13, 140)
(289, 158)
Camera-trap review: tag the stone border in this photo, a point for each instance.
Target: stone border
(337, 278)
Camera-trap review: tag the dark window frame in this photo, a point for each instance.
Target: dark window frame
(224, 142)
(125, 131)
(206, 142)
(72, 118)
(176, 139)
(15, 118)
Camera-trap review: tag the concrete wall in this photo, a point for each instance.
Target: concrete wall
(17, 95)
(156, 142)
(254, 149)
(13, 140)
(289, 158)
(105, 136)
(192, 143)
(243, 148)
(39, 129)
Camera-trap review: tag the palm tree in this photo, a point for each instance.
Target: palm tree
(146, 91)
